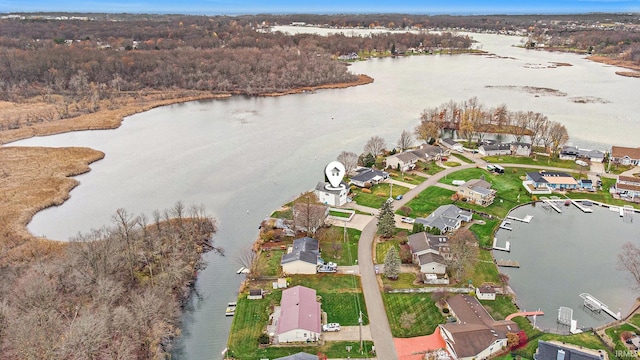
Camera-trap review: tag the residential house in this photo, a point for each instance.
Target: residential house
(551, 180)
(628, 187)
(477, 191)
(625, 155)
(428, 152)
(446, 218)
(404, 161)
(476, 335)
(486, 293)
(300, 318)
(555, 350)
(573, 153)
(430, 252)
(520, 149)
(586, 184)
(302, 257)
(330, 196)
(309, 217)
(299, 356)
(366, 175)
(495, 149)
(452, 144)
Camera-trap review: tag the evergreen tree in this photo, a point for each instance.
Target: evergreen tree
(392, 264)
(386, 221)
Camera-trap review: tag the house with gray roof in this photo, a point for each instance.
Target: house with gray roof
(302, 257)
(520, 148)
(477, 191)
(552, 180)
(476, 335)
(299, 317)
(495, 149)
(554, 350)
(366, 175)
(428, 152)
(332, 197)
(299, 356)
(430, 252)
(452, 144)
(404, 161)
(446, 218)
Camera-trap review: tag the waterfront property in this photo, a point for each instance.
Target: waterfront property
(404, 161)
(625, 155)
(299, 356)
(446, 218)
(476, 335)
(309, 217)
(302, 257)
(329, 196)
(573, 153)
(452, 145)
(486, 293)
(430, 252)
(477, 191)
(495, 149)
(628, 187)
(366, 176)
(555, 350)
(549, 181)
(299, 317)
(520, 149)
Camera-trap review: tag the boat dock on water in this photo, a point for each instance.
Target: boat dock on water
(231, 309)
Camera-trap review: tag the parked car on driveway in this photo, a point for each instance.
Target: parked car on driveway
(331, 327)
(408, 220)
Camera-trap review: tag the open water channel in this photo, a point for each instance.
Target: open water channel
(243, 157)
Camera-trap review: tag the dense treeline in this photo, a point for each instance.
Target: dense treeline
(113, 293)
(472, 121)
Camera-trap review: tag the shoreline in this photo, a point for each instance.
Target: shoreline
(30, 190)
(619, 63)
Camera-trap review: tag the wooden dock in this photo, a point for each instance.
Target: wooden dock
(507, 263)
(581, 207)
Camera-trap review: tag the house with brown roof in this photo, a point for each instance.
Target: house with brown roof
(476, 335)
(477, 191)
(299, 317)
(625, 155)
(628, 187)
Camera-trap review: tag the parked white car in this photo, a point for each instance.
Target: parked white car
(331, 327)
(408, 220)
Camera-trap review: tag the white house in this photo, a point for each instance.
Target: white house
(430, 252)
(495, 149)
(300, 318)
(330, 196)
(302, 257)
(628, 187)
(625, 155)
(404, 161)
(452, 144)
(486, 293)
(520, 149)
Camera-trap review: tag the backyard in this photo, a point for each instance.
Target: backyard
(379, 194)
(342, 252)
(412, 314)
(408, 177)
(536, 162)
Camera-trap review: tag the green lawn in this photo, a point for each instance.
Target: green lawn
(510, 191)
(419, 307)
(379, 194)
(333, 350)
(348, 252)
(485, 271)
(286, 213)
(500, 307)
(428, 200)
(539, 161)
(341, 214)
(341, 295)
(614, 335)
(485, 232)
(407, 177)
(617, 169)
(428, 168)
(602, 196)
(249, 321)
(462, 158)
(452, 163)
(269, 262)
(382, 248)
(635, 320)
(404, 281)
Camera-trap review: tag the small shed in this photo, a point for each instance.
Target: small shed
(486, 293)
(255, 294)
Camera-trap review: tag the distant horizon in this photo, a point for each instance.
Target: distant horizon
(327, 7)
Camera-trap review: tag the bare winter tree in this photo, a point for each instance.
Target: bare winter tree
(629, 261)
(374, 146)
(464, 249)
(405, 141)
(521, 123)
(248, 258)
(308, 213)
(349, 160)
(559, 136)
(427, 130)
(537, 126)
